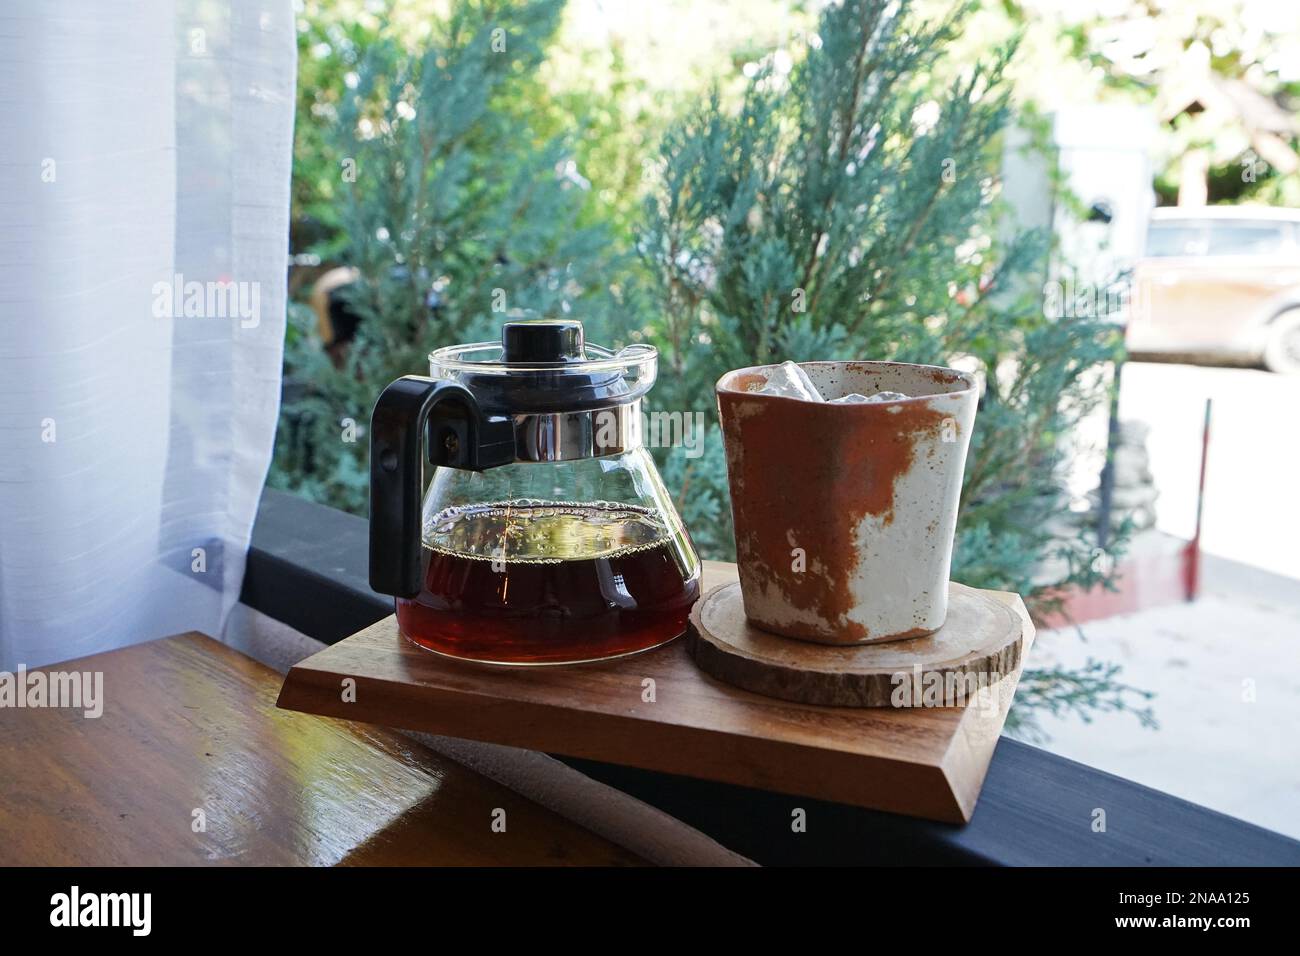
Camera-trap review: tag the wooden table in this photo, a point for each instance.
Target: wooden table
(192, 763)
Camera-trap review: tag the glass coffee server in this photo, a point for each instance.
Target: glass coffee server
(546, 535)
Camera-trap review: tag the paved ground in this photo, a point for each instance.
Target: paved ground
(1252, 491)
(1226, 670)
(1228, 703)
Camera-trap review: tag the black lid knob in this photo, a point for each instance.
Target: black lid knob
(543, 340)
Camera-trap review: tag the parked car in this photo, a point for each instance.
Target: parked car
(1221, 281)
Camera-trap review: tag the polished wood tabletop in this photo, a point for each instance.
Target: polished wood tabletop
(191, 763)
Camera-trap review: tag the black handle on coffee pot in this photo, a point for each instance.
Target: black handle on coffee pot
(460, 435)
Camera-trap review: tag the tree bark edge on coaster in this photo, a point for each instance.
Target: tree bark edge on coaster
(980, 642)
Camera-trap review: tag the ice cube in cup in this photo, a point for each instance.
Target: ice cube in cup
(790, 381)
(853, 398)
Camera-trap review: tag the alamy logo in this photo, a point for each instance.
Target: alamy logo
(225, 299)
(944, 689)
(103, 909)
(73, 689)
(686, 430)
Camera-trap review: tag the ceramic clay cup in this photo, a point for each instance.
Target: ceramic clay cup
(845, 513)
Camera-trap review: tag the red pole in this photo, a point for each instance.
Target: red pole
(1192, 563)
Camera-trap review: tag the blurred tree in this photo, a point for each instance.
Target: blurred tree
(1222, 75)
(454, 210)
(332, 39)
(848, 208)
(606, 137)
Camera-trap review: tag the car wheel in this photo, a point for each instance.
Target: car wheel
(1282, 351)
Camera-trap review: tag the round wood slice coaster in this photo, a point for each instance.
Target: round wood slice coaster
(980, 637)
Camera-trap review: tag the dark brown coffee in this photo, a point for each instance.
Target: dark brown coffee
(545, 583)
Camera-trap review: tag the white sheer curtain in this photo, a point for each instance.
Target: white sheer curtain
(145, 150)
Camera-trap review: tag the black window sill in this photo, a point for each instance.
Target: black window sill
(307, 568)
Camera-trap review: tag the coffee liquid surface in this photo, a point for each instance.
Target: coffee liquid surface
(532, 582)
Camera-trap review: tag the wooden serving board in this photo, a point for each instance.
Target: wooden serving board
(658, 711)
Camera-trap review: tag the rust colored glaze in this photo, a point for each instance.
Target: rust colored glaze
(804, 475)
(907, 635)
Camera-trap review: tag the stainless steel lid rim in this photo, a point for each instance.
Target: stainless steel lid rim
(570, 435)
